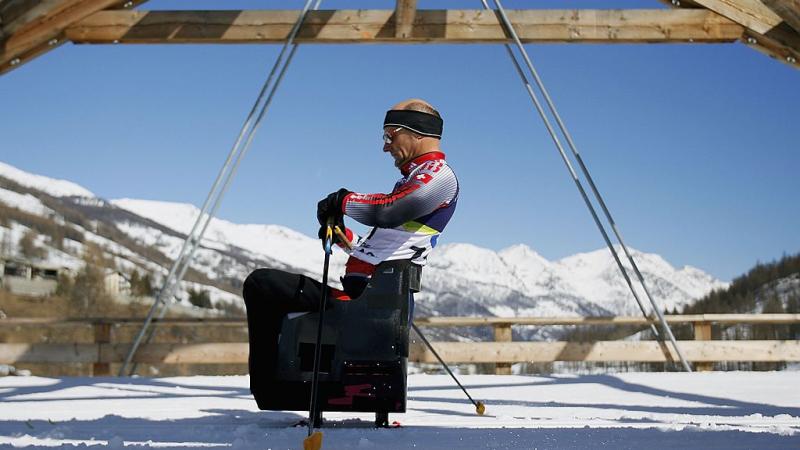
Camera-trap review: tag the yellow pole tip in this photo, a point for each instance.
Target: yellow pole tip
(313, 442)
(480, 408)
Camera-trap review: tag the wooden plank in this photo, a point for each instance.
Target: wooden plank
(538, 321)
(736, 318)
(702, 332)
(788, 10)
(49, 25)
(404, 13)
(766, 31)
(502, 333)
(207, 353)
(752, 14)
(453, 352)
(429, 26)
(177, 321)
(772, 48)
(14, 14)
(18, 13)
(680, 3)
(644, 351)
(438, 321)
(619, 320)
(45, 32)
(48, 353)
(102, 335)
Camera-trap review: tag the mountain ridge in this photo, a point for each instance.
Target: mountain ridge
(460, 279)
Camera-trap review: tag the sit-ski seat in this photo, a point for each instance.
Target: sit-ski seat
(364, 350)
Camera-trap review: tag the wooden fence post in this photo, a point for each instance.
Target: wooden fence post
(502, 333)
(102, 335)
(702, 332)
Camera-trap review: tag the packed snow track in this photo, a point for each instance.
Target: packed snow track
(734, 410)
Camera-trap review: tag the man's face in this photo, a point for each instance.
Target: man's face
(402, 146)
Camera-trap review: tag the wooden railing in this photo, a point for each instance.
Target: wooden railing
(109, 341)
(702, 350)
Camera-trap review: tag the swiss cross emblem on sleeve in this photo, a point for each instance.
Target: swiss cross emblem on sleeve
(424, 177)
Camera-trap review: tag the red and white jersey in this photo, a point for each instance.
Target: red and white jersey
(407, 222)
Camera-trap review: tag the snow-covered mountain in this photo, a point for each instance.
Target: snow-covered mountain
(51, 186)
(461, 279)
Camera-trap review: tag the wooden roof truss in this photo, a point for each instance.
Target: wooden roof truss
(30, 28)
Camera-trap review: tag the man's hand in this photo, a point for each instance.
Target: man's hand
(336, 239)
(331, 207)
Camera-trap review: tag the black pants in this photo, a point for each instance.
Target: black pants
(270, 294)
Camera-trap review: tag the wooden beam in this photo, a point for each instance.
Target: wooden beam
(767, 45)
(606, 351)
(618, 320)
(680, 3)
(7, 65)
(502, 333)
(429, 26)
(752, 14)
(440, 321)
(49, 353)
(788, 10)
(212, 353)
(102, 335)
(404, 14)
(43, 28)
(462, 352)
(17, 13)
(765, 30)
(702, 332)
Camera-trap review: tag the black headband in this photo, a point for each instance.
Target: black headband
(416, 121)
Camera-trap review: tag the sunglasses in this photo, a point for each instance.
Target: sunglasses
(389, 135)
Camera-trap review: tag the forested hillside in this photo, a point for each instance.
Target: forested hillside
(768, 287)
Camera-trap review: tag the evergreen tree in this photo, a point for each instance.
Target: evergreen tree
(28, 248)
(772, 305)
(141, 285)
(134, 281)
(742, 294)
(64, 286)
(146, 285)
(88, 295)
(793, 307)
(200, 298)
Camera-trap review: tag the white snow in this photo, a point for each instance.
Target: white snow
(52, 186)
(24, 202)
(584, 284)
(730, 410)
(277, 242)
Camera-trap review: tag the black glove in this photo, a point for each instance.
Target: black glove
(331, 207)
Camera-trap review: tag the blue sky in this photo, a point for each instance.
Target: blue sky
(694, 146)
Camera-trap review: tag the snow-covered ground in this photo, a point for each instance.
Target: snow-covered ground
(733, 410)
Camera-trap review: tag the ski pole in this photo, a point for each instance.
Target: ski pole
(314, 439)
(515, 37)
(480, 408)
(218, 189)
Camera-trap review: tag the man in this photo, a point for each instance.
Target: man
(406, 223)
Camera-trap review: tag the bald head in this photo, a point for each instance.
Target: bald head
(417, 104)
(411, 134)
